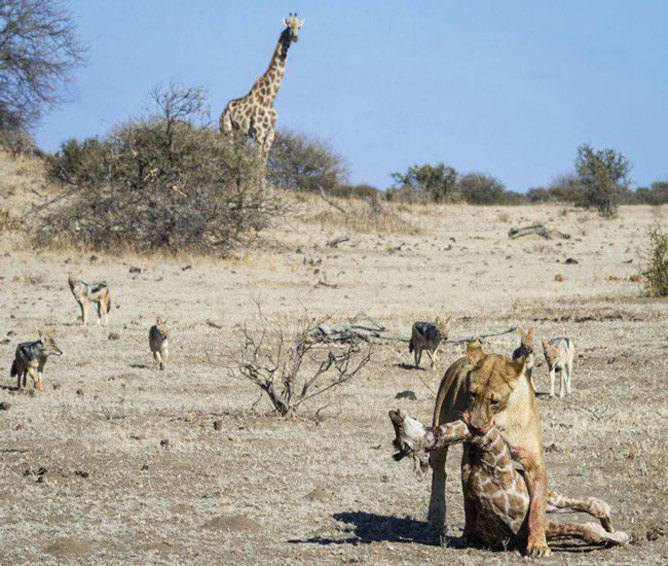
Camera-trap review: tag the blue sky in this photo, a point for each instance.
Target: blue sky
(507, 88)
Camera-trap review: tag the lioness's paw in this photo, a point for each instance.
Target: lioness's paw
(538, 549)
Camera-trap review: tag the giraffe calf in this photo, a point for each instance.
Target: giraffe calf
(495, 489)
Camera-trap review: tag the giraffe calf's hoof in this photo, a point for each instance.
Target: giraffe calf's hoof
(616, 537)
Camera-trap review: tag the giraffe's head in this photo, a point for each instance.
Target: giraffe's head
(293, 24)
(491, 382)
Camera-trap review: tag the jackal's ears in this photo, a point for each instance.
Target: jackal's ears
(530, 335)
(53, 333)
(40, 333)
(523, 335)
(474, 351)
(446, 319)
(544, 343)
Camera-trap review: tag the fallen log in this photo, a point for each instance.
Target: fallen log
(547, 232)
(336, 241)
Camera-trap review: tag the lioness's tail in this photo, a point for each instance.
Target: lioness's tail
(14, 370)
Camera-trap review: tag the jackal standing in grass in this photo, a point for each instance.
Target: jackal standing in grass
(157, 340)
(428, 336)
(85, 293)
(559, 354)
(31, 356)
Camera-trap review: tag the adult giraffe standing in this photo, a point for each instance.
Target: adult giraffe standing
(253, 115)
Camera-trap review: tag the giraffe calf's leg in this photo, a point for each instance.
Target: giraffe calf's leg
(589, 532)
(592, 505)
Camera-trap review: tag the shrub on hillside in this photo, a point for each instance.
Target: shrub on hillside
(301, 163)
(160, 182)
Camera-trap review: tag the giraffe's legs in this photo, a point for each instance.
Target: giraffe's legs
(595, 507)
(589, 532)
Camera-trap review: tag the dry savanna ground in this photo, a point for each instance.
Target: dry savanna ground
(86, 475)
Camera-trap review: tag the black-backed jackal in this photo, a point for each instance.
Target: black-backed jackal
(31, 357)
(157, 340)
(428, 336)
(527, 352)
(559, 354)
(85, 293)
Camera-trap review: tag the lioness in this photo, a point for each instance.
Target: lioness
(493, 390)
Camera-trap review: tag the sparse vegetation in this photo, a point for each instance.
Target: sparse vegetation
(160, 182)
(8, 221)
(425, 183)
(291, 373)
(654, 269)
(301, 163)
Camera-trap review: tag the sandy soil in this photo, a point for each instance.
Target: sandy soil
(84, 477)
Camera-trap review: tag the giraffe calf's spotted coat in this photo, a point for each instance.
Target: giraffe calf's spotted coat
(494, 487)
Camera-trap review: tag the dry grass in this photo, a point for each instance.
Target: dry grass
(358, 216)
(86, 477)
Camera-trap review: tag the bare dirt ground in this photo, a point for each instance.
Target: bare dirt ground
(84, 477)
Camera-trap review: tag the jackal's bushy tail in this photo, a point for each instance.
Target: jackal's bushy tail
(109, 302)
(411, 346)
(14, 369)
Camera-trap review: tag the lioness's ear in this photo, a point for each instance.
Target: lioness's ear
(514, 370)
(474, 351)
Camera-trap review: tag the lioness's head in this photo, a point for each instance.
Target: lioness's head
(490, 385)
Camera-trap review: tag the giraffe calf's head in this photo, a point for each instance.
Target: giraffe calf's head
(293, 24)
(410, 440)
(491, 382)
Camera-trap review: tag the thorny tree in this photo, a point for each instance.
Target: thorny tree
(292, 373)
(39, 49)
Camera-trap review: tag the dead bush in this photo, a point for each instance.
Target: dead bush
(160, 182)
(654, 268)
(293, 371)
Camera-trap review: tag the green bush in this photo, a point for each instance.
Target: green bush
(160, 182)
(654, 269)
(477, 188)
(603, 175)
(434, 183)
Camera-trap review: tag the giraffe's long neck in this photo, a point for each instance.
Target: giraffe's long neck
(493, 450)
(273, 76)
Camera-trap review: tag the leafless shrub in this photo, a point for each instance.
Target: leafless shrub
(39, 50)
(292, 372)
